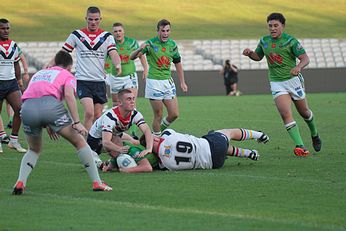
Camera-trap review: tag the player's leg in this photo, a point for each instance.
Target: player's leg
(157, 106)
(32, 120)
(14, 99)
(10, 114)
(28, 163)
(3, 136)
(84, 153)
(98, 107)
(283, 104)
(241, 134)
(88, 108)
(304, 110)
(172, 112)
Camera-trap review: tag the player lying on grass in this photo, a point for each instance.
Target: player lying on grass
(108, 131)
(43, 106)
(177, 151)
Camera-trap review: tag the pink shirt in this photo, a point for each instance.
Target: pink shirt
(49, 82)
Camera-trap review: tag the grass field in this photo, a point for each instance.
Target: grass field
(33, 20)
(278, 192)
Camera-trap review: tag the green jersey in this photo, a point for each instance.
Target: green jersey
(160, 55)
(124, 50)
(280, 54)
(134, 150)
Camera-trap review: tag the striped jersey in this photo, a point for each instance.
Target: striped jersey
(92, 49)
(112, 121)
(124, 50)
(9, 54)
(179, 151)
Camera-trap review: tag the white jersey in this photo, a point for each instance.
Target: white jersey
(182, 151)
(9, 54)
(112, 121)
(92, 49)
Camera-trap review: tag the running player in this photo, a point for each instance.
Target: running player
(160, 89)
(286, 80)
(46, 91)
(11, 82)
(92, 45)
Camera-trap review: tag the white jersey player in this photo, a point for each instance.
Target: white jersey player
(179, 151)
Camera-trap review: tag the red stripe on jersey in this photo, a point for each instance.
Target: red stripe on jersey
(92, 34)
(68, 46)
(6, 44)
(124, 121)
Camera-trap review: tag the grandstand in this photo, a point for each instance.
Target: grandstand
(210, 54)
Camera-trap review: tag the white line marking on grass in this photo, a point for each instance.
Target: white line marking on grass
(206, 172)
(187, 210)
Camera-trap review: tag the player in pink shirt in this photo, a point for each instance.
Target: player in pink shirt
(43, 107)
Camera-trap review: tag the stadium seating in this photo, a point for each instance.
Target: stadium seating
(210, 54)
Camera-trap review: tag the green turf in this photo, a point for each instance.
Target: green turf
(278, 192)
(34, 20)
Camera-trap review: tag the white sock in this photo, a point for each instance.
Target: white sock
(86, 158)
(248, 134)
(27, 165)
(96, 158)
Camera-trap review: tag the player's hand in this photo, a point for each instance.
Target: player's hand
(144, 45)
(118, 69)
(80, 129)
(26, 77)
(295, 71)
(124, 149)
(143, 153)
(247, 52)
(184, 87)
(52, 135)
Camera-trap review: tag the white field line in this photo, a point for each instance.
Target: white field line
(187, 210)
(206, 172)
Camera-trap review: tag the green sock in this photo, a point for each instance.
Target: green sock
(312, 126)
(293, 130)
(164, 124)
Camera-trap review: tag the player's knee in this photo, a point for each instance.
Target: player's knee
(88, 115)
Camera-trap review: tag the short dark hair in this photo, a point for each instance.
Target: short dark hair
(64, 59)
(118, 24)
(276, 16)
(93, 10)
(162, 22)
(123, 92)
(3, 20)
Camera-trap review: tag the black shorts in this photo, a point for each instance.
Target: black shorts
(92, 89)
(218, 143)
(7, 87)
(95, 144)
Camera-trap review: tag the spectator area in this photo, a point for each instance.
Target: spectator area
(200, 55)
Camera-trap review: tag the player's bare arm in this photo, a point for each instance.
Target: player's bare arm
(252, 55)
(304, 61)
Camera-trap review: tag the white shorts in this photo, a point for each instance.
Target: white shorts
(293, 87)
(125, 82)
(160, 89)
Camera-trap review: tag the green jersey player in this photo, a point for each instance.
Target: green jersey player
(128, 78)
(160, 89)
(144, 164)
(286, 81)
